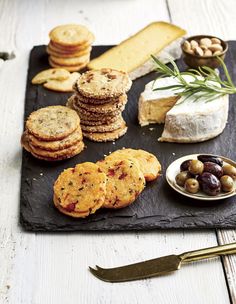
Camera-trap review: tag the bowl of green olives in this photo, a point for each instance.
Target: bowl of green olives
(203, 176)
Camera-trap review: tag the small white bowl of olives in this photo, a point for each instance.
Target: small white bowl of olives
(203, 176)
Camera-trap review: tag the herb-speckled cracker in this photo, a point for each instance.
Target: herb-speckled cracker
(57, 155)
(80, 191)
(52, 123)
(64, 143)
(125, 181)
(105, 83)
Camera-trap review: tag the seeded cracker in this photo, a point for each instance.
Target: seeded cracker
(102, 84)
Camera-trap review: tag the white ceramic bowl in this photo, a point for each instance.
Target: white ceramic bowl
(174, 169)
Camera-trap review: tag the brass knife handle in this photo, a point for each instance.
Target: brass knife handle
(208, 252)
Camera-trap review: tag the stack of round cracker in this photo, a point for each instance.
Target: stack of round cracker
(114, 182)
(53, 133)
(70, 47)
(99, 99)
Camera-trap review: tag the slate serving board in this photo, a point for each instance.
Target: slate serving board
(158, 206)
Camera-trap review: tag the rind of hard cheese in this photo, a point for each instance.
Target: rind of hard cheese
(135, 51)
(170, 52)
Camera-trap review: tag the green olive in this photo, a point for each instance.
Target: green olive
(230, 170)
(182, 177)
(191, 185)
(196, 167)
(227, 183)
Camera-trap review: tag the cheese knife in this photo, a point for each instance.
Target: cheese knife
(159, 266)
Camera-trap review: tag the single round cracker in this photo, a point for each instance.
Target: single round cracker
(91, 100)
(73, 68)
(25, 141)
(90, 116)
(78, 146)
(72, 214)
(52, 123)
(60, 54)
(50, 74)
(69, 34)
(58, 158)
(106, 136)
(80, 190)
(74, 61)
(148, 163)
(67, 142)
(70, 49)
(113, 106)
(103, 128)
(104, 83)
(125, 181)
(63, 85)
(96, 115)
(99, 122)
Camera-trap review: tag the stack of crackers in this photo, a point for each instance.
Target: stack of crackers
(70, 47)
(114, 182)
(99, 99)
(53, 133)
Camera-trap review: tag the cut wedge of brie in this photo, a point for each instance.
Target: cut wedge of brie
(186, 121)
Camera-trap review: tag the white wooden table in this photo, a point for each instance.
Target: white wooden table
(53, 268)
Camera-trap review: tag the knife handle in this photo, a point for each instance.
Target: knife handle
(208, 252)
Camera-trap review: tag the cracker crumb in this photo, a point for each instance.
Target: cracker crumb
(41, 174)
(173, 153)
(34, 179)
(151, 129)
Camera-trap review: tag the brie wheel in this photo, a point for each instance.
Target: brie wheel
(186, 121)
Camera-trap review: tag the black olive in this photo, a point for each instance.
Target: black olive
(213, 168)
(209, 183)
(210, 158)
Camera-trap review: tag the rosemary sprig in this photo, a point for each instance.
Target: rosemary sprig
(206, 83)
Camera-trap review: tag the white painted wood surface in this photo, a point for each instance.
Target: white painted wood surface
(52, 268)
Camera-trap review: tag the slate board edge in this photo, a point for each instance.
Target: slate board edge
(141, 223)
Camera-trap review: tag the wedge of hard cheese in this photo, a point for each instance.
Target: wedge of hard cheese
(133, 54)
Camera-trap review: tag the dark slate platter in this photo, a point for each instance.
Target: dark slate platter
(158, 206)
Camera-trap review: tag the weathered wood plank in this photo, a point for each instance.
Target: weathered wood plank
(215, 18)
(52, 268)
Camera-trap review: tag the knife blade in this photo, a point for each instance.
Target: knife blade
(158, 266)
(136, 271)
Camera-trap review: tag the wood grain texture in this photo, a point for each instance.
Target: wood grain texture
(216, 18)
(52, 268)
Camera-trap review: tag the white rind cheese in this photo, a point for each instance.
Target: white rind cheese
(190, 121)
(185, 121)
